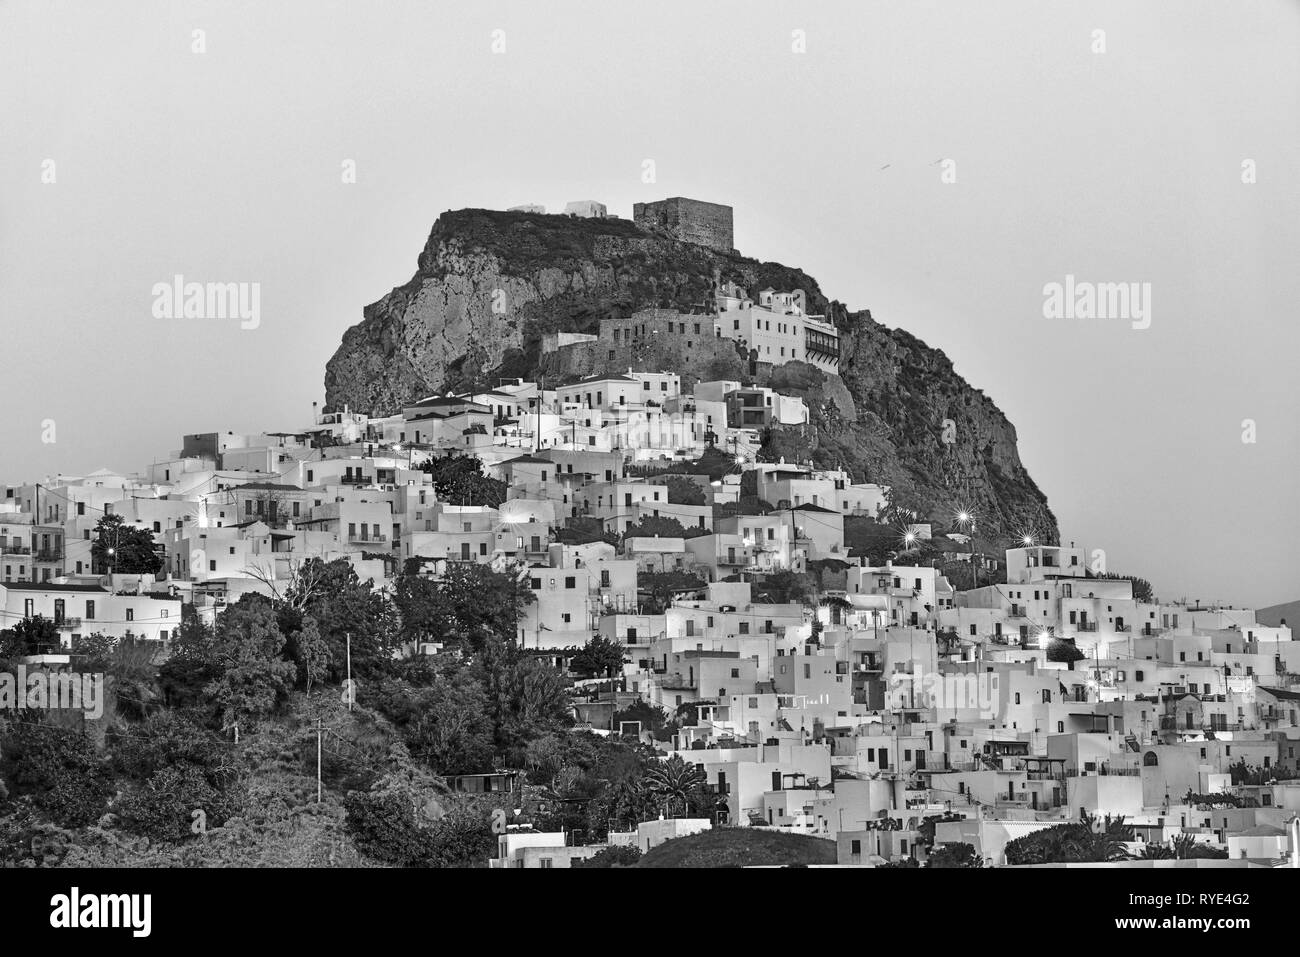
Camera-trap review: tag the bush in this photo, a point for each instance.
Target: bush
(169, 739)
(60, 771)
(386, 827)
(165, 808)
(624, 856)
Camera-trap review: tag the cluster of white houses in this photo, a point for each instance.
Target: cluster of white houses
(885, 699)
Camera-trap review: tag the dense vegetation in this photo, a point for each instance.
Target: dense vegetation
(740, 847)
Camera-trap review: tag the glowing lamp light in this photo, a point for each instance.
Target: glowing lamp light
(1044, 639)
(1028, 540)
(963, 517)
(910, 537)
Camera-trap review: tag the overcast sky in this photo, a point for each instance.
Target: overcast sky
(1115, 166)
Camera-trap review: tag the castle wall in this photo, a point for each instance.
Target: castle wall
(650, 341)
(689, 220)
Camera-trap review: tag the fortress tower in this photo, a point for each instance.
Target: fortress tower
(689, 220)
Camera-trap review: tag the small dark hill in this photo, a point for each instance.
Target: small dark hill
(740, 847)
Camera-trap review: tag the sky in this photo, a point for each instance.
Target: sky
(129, 155)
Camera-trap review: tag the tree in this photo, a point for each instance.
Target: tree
(253, 674)
(583, 530)
(30, 636)
(660, 588)
(164, 808)
(170, 738)
(625, 855)
(1090, 839)
(445, 725)
(311, 653)
(124, 548)
(345, 608)
(129, 663)
(388, 828)
(459, 480)
(683, 491)
(785, 587)
(526, 697)
(599, 657)
(663, 527)
(467, 604)
(955, 855)
(94, 652)
(676, 784)
(191, 666)
(1064, 650)
(59, 770)
(863, 536)
(651, 717)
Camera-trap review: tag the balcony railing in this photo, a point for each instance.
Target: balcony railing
(366, 539)
(67, 624)
(1086, 626)
(15, 550)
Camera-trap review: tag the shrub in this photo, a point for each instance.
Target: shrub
(622, 856)
(60, 771)
(165, 808)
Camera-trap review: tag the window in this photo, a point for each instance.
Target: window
(544, 862)
(130, 614)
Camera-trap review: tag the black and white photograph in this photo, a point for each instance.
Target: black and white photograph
(854, 436)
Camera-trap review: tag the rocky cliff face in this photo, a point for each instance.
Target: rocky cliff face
(490, 285)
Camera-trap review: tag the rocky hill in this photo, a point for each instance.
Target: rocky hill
(489, 285)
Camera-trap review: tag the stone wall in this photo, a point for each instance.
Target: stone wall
(688, 220)
(651, 340)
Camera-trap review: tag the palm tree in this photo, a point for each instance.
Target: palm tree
(674, 780)
(1103, 840)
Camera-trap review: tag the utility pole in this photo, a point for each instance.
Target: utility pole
(318, 752)
(352, 691)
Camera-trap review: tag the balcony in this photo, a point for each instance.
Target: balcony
(1086, 626)
(15, 550)
(359, 539)
(67, 624)
(357, 480)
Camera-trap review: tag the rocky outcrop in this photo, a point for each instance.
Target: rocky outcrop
(489, 285)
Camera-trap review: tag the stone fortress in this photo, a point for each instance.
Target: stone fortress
(687, 220)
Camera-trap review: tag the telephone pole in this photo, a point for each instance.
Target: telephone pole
(318, 752)
(352, 691)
